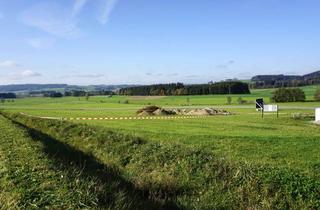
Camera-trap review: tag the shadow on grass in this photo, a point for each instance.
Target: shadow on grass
(64, 155)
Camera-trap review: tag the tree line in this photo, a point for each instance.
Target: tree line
(74, 93)
(79, 93)
(284, 83)
(7, 96)
(232, 87)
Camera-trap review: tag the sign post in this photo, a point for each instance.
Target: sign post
(271, 108)
(259, 105)
(318, 115)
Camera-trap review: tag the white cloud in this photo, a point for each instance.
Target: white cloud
(29, 73)
(8, 64)
(61, 21)
(78, 6)
(107, 8)
(51, 18)
(23, 75)
(41, 43)
(84, 76)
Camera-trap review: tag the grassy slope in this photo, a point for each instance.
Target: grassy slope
(190, 177)
(37, 171)
(279, 142)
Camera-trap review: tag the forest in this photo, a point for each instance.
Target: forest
(232, 87)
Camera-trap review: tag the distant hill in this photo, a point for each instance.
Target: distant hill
(281, 80)
(275, 77)
(31, 87)
(313, 75)
(27, 88)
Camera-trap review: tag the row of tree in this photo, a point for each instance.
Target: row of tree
(74, 93)
(7, 95)
(79, 93)
(284, 83)
(232, 87)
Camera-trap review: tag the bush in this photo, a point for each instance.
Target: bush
(317, 95)
(229, 100)
(241, 101)
(288, 95)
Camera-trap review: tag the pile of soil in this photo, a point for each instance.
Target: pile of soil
(155, 110)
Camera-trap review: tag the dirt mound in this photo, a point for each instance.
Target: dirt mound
(155, 110)
(148, 109)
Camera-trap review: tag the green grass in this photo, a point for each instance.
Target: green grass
(243, 136)
(39, 172)
(188, 177)
(280, 144)
(103, 102)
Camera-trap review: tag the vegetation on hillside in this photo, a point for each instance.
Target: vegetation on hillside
(288, 95)
(317, 95)
(232, 87)
(280, 81)
(7, 95)
(186, 177)
(39, 172)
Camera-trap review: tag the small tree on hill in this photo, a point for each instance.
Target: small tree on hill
(229, 100)
(317, 95)
(240, 100)
(87, 96)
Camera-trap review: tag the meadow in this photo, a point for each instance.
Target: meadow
(243, 140)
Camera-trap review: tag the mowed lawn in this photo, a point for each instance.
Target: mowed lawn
(244, 136)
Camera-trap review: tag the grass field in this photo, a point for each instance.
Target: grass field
(283, 143)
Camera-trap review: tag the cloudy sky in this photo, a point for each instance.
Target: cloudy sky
(155, 41)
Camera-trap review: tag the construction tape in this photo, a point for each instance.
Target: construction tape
(119, 118)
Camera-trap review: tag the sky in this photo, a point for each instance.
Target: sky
(155, 41)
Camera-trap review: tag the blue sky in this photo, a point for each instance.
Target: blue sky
(155, 41)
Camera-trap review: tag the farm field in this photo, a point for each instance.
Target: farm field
(244, 136)
(242, 139)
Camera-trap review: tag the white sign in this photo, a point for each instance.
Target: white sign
(270, 108)
(317, 114)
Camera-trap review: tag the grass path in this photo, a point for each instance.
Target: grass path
(38, 172)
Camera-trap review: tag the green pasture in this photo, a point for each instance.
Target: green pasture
(267, 162)
(124, 101)
(244, 136)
